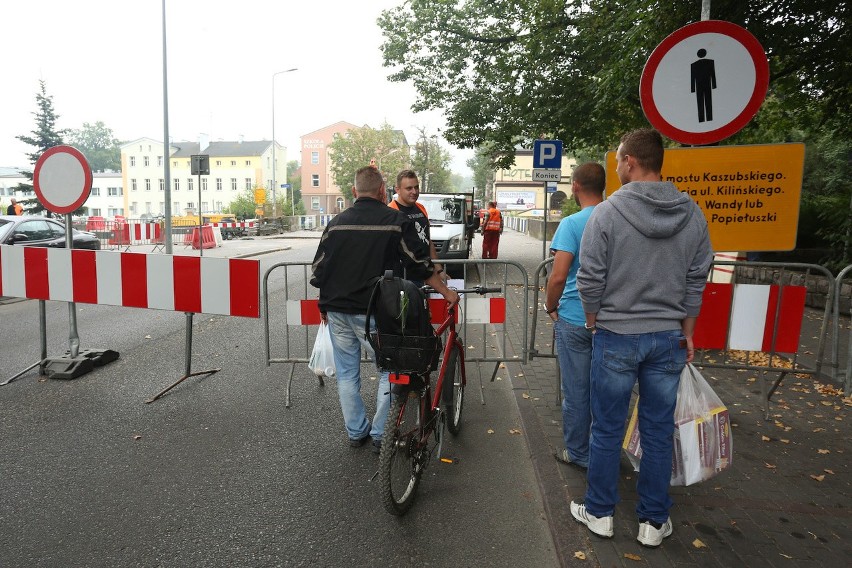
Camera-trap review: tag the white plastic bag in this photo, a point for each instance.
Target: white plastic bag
(322, 357)
(703, 445)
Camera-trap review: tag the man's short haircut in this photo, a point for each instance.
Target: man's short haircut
(646, 145)
(591, 176)
(405, 174)
(368, 181)
(492, 204)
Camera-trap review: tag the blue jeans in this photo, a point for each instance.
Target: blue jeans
(347, 338)
(656, 360)
(574, 351)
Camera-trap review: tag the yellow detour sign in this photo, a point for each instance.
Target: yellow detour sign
(749, 194)
(260, 196)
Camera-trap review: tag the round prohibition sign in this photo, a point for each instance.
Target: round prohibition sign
(716, 66)
(62, 179)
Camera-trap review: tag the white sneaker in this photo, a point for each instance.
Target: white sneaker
(653, 537)
(601, 526)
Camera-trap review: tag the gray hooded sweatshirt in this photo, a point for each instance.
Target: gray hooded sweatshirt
(646, 254)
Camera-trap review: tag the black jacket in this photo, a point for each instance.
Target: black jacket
(357, 246)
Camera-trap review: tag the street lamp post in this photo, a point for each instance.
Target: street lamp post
(274, 163)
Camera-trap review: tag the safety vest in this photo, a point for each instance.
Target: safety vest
(395, 204)
(493, 223)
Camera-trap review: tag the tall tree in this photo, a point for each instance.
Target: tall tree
(44, 136)
(432, 164)
(358, 146)
(483, 171)
(99, 145)
(510, 71)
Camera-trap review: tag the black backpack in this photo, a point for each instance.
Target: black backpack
(404, 340)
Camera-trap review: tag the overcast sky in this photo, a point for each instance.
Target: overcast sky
(102, 61)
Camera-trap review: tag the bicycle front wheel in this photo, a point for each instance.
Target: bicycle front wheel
(400, 464)
(452, 393)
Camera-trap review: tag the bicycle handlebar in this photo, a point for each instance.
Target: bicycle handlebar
(481, 290)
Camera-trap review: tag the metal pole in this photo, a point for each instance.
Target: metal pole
(73, 338)
(544, 228)
(705, 10)
(274, 164)
(167, 210)
(200, 239)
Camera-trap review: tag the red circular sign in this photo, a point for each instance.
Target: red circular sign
(678, 91)
(62, 179)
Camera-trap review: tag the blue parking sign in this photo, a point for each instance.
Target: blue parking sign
(547, 154)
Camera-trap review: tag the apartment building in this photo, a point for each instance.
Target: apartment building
(319, 192)
(106, 199)
(235, 167)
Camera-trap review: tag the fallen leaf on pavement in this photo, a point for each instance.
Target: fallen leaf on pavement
(765, 438)
(514, 431)
(698, 544)
(817, 477)
(769, 465)
(137, 437)
(632, 556)
(819, 429)
(490, 431)
(784, 441)
(785, 555)
(579, 555)
(824, 451)
(525, 395)
(829, 471)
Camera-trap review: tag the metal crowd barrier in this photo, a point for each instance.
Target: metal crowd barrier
(485, 342)
(785, 276)
(845, 374)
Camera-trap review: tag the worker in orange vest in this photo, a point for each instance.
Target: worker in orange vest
(492, 228)
(405, 200)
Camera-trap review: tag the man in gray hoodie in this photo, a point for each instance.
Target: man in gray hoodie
(646, 254)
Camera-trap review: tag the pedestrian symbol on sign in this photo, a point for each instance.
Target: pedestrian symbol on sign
(703, 78)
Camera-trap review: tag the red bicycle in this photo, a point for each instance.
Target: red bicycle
(415, 427)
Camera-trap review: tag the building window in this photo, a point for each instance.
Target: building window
(133, 185)
(314, 180)
(204, 207)
(132, 161)
(203, 184)
(315, 157)
(190, 204)
(189, 184)
(96, 191)
(340, 204)
(148, 207)
(248, 162)
(248, 183)
(162, 184)
(174, 163)
(218, 162)
(315, 203)
(145, 161)
(134, 207)
(218, 206)
(233, 184)
(159, 160)
(177, 184)
(233, 162)
(114, 191)
(147, 186)
(218, 184)
(96, 212)
(175, 207)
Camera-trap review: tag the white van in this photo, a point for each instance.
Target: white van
(452, 223)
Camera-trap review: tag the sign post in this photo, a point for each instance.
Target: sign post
(62, 180)
(547, 167)
(200, 166)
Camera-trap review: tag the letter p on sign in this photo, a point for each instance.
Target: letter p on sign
(547, 154)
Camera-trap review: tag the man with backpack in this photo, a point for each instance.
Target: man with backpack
(356, 248)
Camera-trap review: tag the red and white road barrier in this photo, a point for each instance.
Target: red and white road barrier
(179, 283)
(474, 310)
(743, 316)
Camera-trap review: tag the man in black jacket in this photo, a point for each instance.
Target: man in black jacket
(357, 246)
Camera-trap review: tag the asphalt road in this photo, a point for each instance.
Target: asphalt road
(219, 473)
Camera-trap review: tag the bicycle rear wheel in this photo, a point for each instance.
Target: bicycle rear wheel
(400, 461)
(452, 393)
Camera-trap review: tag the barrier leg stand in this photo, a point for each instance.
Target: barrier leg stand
(42, 324)
(76, 362)
(289, 383)
(768, 394)
(188, 359)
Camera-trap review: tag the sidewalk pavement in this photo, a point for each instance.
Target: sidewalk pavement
(785, 501)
